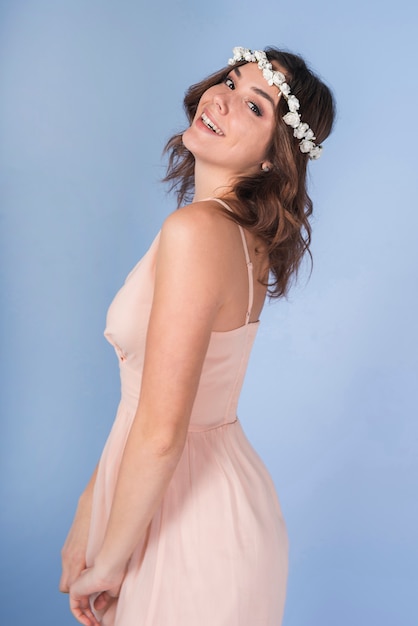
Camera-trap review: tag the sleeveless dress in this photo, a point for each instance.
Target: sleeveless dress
(215, 552)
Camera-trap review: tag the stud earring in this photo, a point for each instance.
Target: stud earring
(265, 167)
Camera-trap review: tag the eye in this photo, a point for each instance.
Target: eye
(254, 108)
(229, 82)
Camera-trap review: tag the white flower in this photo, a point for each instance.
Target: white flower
(293, 103)
(278, 78)
(301, 130)
(285, 89)
(310, 135)
(292, 119)
(260, 55)
(315, 152)
(249, 56)
(238, 52)
(306, 145)
(268, 75)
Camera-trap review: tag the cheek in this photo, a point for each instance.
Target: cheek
(187, 138)
(268, 134)
(206, 97)
(260, 138)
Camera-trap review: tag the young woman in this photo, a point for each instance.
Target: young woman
(180, 524)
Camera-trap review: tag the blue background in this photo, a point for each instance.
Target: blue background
(89, 93)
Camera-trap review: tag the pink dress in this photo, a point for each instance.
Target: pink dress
(215, 553)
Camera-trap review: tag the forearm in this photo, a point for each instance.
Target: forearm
(83, 511)
(146, 469)
(85, 499)
(74, 549)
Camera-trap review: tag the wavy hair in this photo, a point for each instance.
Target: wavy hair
(274, 205)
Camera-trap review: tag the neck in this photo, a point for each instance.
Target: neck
(210, 182)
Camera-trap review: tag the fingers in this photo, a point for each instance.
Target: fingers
(65, 582)
(80, 601)
(71, 570)
(103, 602)
(82, 612)
(89, 598)
(86, 610)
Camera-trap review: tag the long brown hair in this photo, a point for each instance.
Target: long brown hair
(274, 205)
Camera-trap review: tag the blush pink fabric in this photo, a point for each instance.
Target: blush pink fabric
(215, 553)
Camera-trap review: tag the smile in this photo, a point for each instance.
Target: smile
(208, 122)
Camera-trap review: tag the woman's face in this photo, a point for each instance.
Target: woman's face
(234, 122)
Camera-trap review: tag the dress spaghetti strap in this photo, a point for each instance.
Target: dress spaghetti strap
(248, 262)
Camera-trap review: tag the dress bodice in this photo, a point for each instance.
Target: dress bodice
(226, 358)
(224, 365)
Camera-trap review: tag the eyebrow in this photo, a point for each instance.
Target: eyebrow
(258, 91)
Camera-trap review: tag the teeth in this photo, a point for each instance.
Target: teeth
(207, 122)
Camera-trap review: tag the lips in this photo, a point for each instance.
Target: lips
(209, 123)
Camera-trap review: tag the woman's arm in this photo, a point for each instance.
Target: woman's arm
(73, 553)
(187, 297)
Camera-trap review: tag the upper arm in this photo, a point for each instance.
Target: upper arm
(187, 296)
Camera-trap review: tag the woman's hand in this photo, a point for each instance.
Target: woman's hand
(92, 583)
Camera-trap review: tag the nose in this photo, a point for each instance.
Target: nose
(221, 102)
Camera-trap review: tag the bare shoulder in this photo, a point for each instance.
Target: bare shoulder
(202, 223)
(195, 247)
(190, 281)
